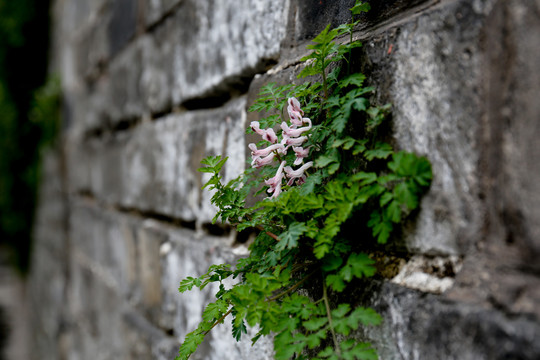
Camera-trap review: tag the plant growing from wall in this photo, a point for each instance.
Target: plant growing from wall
(326, 170)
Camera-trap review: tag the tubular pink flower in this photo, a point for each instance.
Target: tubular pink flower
(295, 141)
(274, 181)
(276, 191)
(294, 105)
(295, 132)
(258, 161)
(299, 181)
(264, 152)
(255, 126)
(298, 173)
(296, 118)
(268, 134)
(300, 153)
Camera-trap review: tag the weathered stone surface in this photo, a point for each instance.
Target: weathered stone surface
(155, 10)
(419, 326)
(182, 312)
(153, 167)
(147, 281)
(193, 53)
(434, 92)
(428, 70)
(123, 24)
(147, 87)
(47, 283)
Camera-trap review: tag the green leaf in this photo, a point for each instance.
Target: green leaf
(215, 310)
(381, 151)
(289, 238)
(405, 194)
(364, 178)
(333, 167)
(314, 340)
(354, 79)
(238, 330)
(393, 212)
(331, 263)
(325, 160)
(188, 283)
(381, 227)
(340, 311)
(336, 282)
(346, 143)
(358, 265)
(315, 323)
(366, 316)
(360, 7)
(363, 351)
(190, 344)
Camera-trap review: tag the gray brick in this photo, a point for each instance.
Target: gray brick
(197, 51)
(121, 28)
(153, 167)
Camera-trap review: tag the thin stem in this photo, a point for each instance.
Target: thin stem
(292, 288)
(350, 50)
(272, 235)
(329, 315)
(218, 321)
(325, 86)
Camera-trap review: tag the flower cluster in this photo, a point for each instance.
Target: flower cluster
(292, 136)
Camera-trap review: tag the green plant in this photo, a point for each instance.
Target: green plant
(353, 180)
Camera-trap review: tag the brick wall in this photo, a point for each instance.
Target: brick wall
(152, 86)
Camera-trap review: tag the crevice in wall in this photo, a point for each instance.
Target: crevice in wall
(164, 16)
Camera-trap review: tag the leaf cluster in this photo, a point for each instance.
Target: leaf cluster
(359, 181)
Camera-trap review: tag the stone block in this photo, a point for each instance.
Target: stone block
(190, 254)
(419, 326)
(47, 286)
(434, 92)
(93, 49)
(96, 327)
(153, 168)
(49, 223)
(223, 41)
(123, 24)
(197, 51)
(105, 243)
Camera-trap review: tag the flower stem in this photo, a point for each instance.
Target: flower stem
(272, 235)
(329, 315)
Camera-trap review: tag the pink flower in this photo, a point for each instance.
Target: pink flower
(275, 182)
(264, 152)
(295, 132)
(298, 173)
(276, 191)
(300, 153)
(258, 161)
(294, 105)
(296, 118)
(295, 113)
(268, 134)
(294, 141)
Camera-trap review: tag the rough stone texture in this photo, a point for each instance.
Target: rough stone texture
(153, 86)
(47, 290)
(420, 326)
(152, 168)
(123, 287)
(191, 54)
